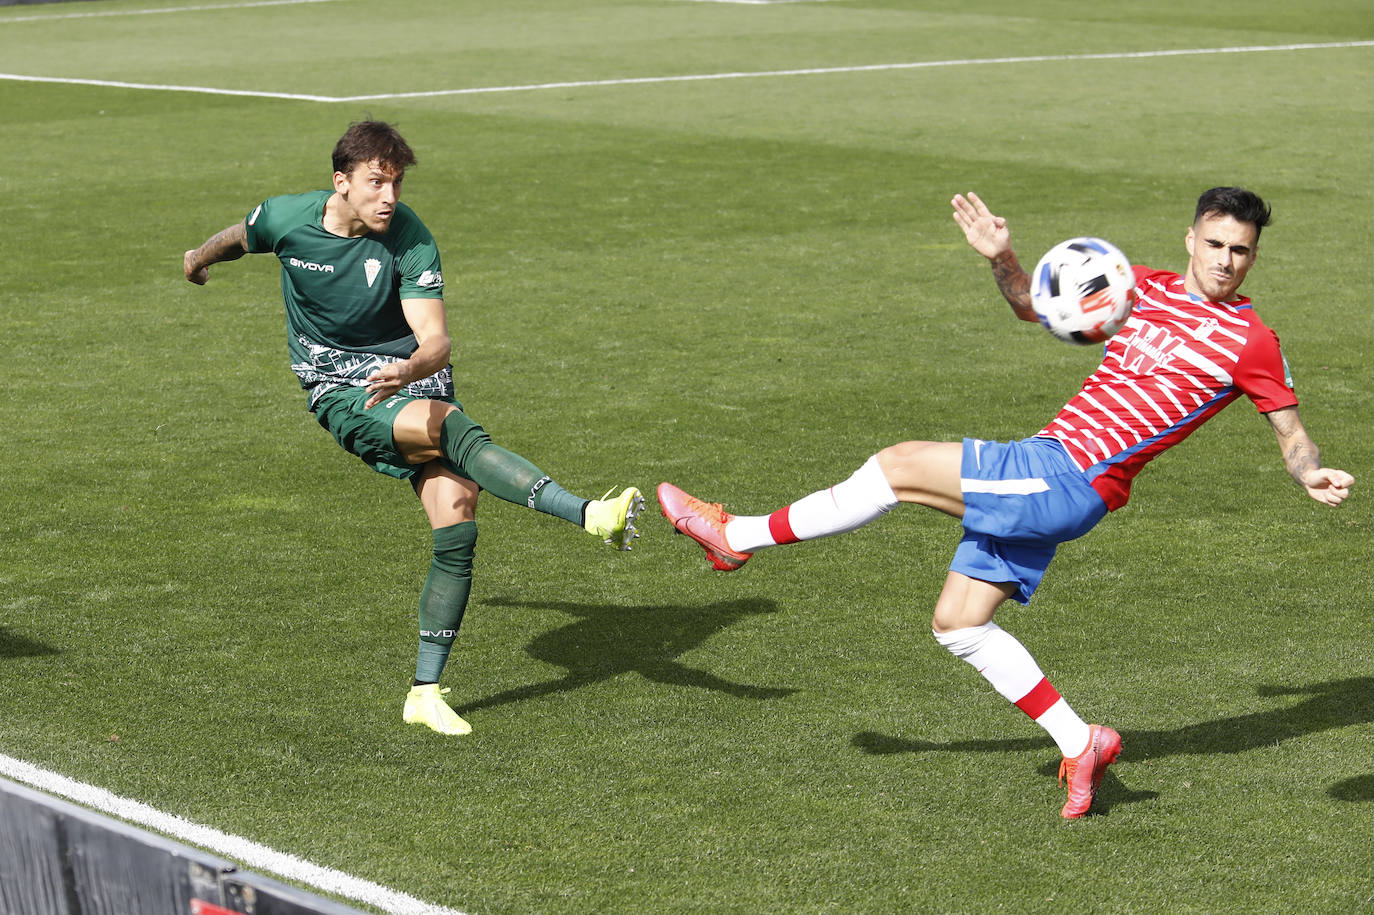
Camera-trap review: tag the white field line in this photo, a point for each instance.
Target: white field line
(256, 857)
(701, 77)
(153, 12)
(865, 68)
(157, 87)
(754, 2)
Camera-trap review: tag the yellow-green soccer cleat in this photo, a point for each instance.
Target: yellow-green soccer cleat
(613, 520)
(425, 705)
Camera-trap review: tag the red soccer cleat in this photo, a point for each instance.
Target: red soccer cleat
(1084, 772)
(704, 522)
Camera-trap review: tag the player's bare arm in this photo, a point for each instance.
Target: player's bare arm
(227, 245)
(1303, 460)
(1015, 284)
(989, 236)
(429, 322)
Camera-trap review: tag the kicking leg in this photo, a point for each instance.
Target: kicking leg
(428, 429)
(922, 473)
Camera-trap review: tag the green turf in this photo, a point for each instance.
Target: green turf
(746, 286)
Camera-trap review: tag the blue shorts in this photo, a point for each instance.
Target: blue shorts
(1021, 500)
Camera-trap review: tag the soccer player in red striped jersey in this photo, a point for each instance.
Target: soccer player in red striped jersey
(1192, 345)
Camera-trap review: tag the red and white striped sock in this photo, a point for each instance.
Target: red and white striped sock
(1008, 666)
(864, 497)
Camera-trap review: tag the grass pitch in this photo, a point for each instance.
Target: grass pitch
(745, 285)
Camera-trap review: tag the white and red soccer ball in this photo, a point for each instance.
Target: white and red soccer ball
(1083, 290)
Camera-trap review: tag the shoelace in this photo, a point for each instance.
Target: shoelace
(713, 512)
(1065, 764)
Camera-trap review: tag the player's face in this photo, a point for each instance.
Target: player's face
(1220, 252)
(370, 191)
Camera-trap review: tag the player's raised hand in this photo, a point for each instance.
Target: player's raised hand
(987, 234)
(1328, 486)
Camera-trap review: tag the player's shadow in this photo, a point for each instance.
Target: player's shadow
(1357, 788)
(1326, 706)
(607, 641)
(14, 645)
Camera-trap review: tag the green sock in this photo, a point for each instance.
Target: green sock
(503, 473)
(444, 598)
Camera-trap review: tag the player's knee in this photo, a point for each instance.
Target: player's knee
(898, 456)
(460, 437)
(954, 621)
(941, 623)
(908, 456)
(947, 616)
(966, 602)
(965, 641)
(455, 548)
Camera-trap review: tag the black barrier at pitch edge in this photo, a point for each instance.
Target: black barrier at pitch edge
(57, 858)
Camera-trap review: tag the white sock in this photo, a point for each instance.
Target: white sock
(1008, 666)
(864, 497)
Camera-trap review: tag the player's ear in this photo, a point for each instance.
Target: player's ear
(340, 182)
(1188, 241)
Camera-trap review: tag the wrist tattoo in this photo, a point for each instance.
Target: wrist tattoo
(1011, 280)
(1302, 458)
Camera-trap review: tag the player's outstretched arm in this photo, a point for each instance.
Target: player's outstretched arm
(228, 245)
(1300, 455)
(989, 236)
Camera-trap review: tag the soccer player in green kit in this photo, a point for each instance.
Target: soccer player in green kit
(368, 338)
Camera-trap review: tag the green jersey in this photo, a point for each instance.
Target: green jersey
(343, 295)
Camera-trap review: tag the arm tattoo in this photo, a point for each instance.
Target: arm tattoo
(227, 245)
(1300, 454)
(1301, 458)
(1014, 284)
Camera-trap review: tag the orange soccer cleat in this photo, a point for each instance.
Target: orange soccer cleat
(1084, 772)
(704, 522)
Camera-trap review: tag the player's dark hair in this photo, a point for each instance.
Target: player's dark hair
(368, 141)
(1236, 202)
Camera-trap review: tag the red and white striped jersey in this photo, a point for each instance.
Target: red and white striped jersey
(1178, 361)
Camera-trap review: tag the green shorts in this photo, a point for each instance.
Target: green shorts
(367, 433)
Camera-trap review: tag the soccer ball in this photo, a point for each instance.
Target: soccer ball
(1083, 290)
